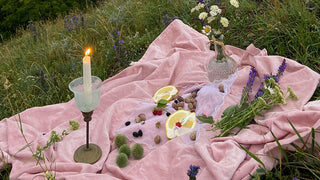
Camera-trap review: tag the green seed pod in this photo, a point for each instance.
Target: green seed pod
(122, 160)
(120, 140)
(125, 149)
(137, 151)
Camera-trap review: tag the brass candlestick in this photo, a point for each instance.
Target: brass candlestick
(86, 102)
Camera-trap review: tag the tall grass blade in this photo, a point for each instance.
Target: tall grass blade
(300, 138)
(253, 156)
(280, 147)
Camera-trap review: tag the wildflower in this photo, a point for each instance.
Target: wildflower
(210, 19)
(193, 171)
(198, 7)
(260, 91)
(291, 94)
(281, 68)
(203, 15)
(270, 90)
(234, 3)
(247, 88)
(224, 21)
(215, 10)
(206, 30)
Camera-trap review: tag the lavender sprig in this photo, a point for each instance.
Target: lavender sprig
(248, 88)
(193, 171)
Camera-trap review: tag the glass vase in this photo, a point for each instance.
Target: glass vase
(221, 66)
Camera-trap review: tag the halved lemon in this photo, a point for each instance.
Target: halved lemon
(179, 123)
(166, 93)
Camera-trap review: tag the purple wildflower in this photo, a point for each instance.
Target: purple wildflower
(248, 88)
(201, 1)
(252, 75)
(200, 20)
(166, 20)
(294, 178)
(260, 92)
(193, 171)
(282, 68)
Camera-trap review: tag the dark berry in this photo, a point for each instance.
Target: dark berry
(135, 134)
(176, 101)
(159, 112)
(168, 114)
(140, 133)
(127, 123)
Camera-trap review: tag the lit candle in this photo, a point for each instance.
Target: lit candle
(87, 73)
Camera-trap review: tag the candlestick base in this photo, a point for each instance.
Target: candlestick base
(87, 155)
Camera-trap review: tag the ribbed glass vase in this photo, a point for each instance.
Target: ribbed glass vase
(221, 66)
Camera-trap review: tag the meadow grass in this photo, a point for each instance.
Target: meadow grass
(37, 65)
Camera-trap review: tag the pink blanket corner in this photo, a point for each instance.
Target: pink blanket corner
(177, 57)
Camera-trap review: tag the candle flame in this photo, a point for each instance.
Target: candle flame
(88, 52)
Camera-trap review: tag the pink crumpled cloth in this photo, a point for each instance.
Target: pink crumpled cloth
(177, 57)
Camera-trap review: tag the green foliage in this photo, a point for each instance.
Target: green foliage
(15, 13)
(120, 140)
(303, 163)
(137, 151)
(122, 160)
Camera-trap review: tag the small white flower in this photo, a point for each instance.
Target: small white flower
(203, 15)
(224, 21)
(270, 90)
(206, 30)
(210, 19)
(197, 7)
(234, 3)
(214, 10)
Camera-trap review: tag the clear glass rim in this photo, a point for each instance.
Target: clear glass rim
(94, 79)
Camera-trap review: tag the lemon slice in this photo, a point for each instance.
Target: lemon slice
(166, 93)
(179, 123)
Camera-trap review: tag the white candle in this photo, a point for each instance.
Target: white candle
(87, 74)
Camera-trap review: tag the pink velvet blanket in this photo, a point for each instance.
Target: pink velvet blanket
(177, 57)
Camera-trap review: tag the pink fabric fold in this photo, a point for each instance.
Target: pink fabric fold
(177, 57)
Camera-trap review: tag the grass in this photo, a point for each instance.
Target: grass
(37, 65)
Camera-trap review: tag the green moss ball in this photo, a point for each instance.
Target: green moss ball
(120, 140)
(122, 160)
(125, 149)
(137, 151)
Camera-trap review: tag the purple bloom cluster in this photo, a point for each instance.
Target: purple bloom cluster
(253, 73)
(118, 46)
(166, 20)
(276, 77)
(74, 22)
(32, 29)
(281, 69)
(193, 171)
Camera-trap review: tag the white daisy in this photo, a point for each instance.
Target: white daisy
(206, 30)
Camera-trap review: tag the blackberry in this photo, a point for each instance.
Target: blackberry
(127, 123)
(140, 132)
(135, 134)
(176, 101)
(168, 114)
